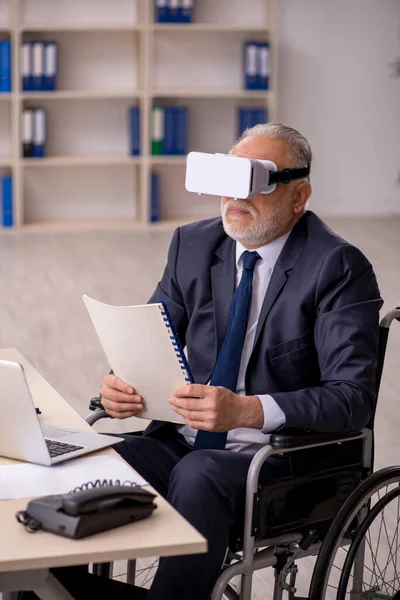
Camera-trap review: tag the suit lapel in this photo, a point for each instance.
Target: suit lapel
(284, 265)
(223, 279)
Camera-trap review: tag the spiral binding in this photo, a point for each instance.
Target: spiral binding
(176, 344)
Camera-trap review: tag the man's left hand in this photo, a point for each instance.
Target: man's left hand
(214, 408)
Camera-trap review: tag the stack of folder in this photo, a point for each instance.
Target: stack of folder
(256, 65)
(39, 66)
(169, 130)
(7, 201)
(34, 133)
(173, 11)
(248, 117)
(5, 66)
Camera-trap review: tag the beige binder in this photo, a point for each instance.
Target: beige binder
(140, 348)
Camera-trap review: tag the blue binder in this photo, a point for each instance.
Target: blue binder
(155, 198)
(262, 115)
(161, 11)
(250, 65)
(39, 133)
(174, 11)
(50, 60)
(26, 62)
(181, 129)
(263, 66)
(186, 11)
(245, 119)
(5, 66)
(37, 66)
(134, 130)
(169, 131)
(7, 201)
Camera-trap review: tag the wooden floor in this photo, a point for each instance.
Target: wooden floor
(42, 276)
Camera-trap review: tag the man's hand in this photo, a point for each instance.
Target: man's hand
(216, 408)
(119, 399)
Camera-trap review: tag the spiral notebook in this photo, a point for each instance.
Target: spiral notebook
(143, 349)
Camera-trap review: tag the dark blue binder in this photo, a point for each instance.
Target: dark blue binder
(186, 11)
(181, 130)
(50, 66)
(174, 11)
(26, 52)
(169, 131)
(245, 119)
(155, 198)
(134, 130)
(39, 133)
(262, 115)
(37, 66)
(5, 66)
(7, 201)
(263, 66)
(161, 11)
(250, 65)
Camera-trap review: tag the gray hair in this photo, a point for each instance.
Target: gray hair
(300, 149)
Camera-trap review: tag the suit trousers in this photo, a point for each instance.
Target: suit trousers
(207, 487)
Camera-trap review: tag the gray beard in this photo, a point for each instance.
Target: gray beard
(261, 231)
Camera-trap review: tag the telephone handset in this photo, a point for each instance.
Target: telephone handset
(87, 511)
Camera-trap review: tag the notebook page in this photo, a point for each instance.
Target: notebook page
(25, 480)
(137, 344)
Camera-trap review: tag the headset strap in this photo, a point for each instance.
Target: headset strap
(288, 175)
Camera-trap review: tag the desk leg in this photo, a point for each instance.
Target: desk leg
(131, 572)
(52, 589)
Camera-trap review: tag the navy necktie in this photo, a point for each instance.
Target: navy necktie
(226, 369)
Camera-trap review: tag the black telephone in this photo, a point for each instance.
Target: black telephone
(87, 511)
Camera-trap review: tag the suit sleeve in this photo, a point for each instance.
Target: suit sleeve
(168, 290)
(347, 303)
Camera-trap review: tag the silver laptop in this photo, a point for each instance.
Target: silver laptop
(21, 434)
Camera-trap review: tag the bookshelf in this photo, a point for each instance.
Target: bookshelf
(112, 55)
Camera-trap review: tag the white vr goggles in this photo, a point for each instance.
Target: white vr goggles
(235, 177)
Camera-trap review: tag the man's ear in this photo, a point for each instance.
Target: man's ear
(301, 194)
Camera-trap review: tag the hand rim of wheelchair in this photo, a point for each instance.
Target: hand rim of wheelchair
(334, 540)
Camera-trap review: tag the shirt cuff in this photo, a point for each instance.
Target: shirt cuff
(274, 417)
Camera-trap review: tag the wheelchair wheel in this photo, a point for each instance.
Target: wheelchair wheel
(360, 556)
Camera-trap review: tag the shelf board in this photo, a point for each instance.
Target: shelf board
(209, 93)
(5, 161)
(168, 160)
(89, 225)
(61, 27)
(81, 94)
(209, 27)
(81, 161)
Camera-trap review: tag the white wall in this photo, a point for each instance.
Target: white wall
(334, 85)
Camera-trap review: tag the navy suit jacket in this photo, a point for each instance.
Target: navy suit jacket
(316, 344)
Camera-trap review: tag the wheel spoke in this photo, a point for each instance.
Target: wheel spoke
(390, 553)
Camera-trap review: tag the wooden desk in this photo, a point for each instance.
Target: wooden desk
(165, 533)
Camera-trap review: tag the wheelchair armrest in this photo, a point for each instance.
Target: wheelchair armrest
(97, 411)
(297, 438)
(95, 403)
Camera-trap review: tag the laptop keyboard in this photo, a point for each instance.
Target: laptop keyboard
(57, 448)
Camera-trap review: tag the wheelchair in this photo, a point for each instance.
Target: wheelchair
(346, 517)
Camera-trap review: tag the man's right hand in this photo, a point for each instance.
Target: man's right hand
(119, 399)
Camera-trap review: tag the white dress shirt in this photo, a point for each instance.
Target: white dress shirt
(245, 439)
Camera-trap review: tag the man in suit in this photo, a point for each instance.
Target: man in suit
(307, 358)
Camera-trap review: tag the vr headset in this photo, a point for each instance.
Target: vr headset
(235, 177)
